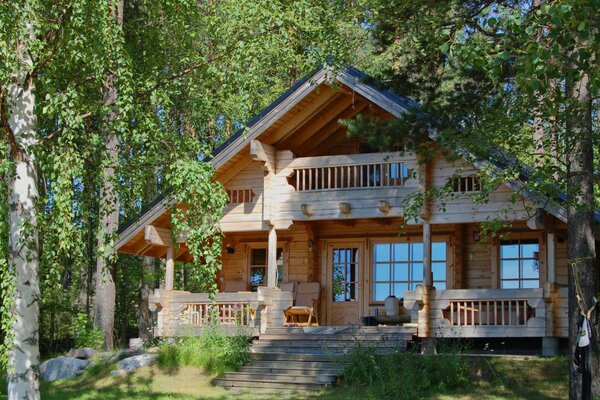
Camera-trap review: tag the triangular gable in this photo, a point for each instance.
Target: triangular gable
(350, 77)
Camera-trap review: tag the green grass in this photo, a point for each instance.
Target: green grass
(488, 379)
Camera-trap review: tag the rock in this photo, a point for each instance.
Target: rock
(132, 363)
(62, 368)
(153, 350)
(84, 353)
(126, 353)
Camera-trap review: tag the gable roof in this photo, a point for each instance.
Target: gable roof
(355, 80)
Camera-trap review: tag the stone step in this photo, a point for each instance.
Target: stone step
(332, 351)
(285, 370)
(297, 365)
(332, 331)
(288, 386)
(296, 357)
(309, 344)
(259, 377)
(340, 337)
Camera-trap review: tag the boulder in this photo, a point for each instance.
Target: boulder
(153, 350)
(85, 353)
(126, 353)
(130, 364)
(62, 368)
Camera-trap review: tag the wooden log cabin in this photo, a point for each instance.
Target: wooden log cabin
(309, 204)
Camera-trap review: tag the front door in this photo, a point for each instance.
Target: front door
(344, 266)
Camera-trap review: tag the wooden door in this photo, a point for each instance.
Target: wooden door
(344, 282)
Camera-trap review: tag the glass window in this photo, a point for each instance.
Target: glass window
(398, 267)
(258, 267)
(345, 274)
(519, 264)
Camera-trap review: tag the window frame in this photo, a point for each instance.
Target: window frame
(538, 237)
(283, 246)
(408, 239)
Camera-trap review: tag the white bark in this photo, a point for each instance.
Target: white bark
(23, 241)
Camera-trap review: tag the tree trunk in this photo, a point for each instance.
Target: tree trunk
(582, 251)
(145, 315)
(104, 304)
(23, 241)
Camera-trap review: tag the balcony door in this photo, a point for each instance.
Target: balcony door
(344, 276)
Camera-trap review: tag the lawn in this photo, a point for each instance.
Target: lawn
(491, 378)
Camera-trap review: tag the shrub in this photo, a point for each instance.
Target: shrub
(214, 350)
(404, 375)
(84, 333)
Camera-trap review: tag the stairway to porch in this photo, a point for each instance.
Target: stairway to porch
(308, 359)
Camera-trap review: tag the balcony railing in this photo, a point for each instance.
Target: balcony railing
(359, 171)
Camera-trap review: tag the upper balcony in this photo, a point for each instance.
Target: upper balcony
(347, 186)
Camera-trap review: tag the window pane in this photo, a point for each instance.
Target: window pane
(531, 269)
(351, 291)
(416, 252)
(259, 257)
(510, 284)
(382, 290)
(382, 252)
(400, 252)
(529, 250)
(509, 269)
(438, 251)
(509, 250)
(440, 285)
(257, 275)
(399, 289)
(382, 272)
(439, 271)
(400, 272)
(339, 293)
(530, 284)
(417, 273)
(352, 273)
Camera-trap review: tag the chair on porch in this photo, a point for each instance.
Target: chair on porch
(304, 312)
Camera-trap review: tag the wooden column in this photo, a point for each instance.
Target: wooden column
(170, 269)
(427, 272)
(551, 257)
(549, 341)
(272, 258)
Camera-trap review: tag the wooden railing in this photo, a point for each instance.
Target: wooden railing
(222, 314)
(488, 312)
(478, 312)
(358, 176)
(184, 313)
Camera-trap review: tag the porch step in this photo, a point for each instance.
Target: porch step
(292, 360)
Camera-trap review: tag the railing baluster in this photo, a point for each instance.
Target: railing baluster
(479, 312)
(342, 177)
(509, 312)
(297, 180)
(328, 178)
(518, 302)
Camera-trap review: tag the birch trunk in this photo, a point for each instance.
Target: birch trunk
(23, 241)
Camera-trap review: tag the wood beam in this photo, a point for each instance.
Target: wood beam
(322, 100)
(234, 170)
(169, 269)
(158, 236)
(272, 258)
(320, 121)
(333, 126)
(264, 153)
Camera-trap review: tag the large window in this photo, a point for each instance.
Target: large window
(345, 274)
(519, 264)
(398, 267)
(258, 267)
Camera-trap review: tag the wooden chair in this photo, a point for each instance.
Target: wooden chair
(304, 312)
